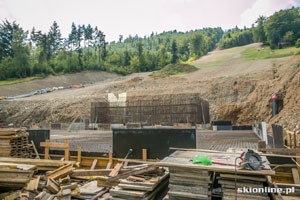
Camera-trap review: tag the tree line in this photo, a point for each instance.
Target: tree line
(34, 53)
(280, 29)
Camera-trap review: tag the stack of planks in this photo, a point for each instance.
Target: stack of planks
(197, 181)
(14, 143)
(146, 186)
(189, 184)
(227, 182)
(15, 176)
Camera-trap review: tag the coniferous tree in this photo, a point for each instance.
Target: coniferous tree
(174, 52)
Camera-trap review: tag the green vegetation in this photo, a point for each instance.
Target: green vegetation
(279, 30)
(267, 52)
(24, 54)
(236, 37)
(175, 69)
(15, 81)
(33, 53)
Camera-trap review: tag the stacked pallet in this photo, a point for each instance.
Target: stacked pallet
(228, 184)
(145, 186)
(189, 184)
(14, 143)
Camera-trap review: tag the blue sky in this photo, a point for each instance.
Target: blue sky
(141, 17)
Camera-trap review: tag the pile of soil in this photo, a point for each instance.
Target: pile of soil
(173, 69)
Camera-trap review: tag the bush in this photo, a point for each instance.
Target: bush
(298, 43)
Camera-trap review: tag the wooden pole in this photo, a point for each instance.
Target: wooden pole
(79, 154)
(47, 150)
(67, 150)
(298, 161)
(144, 154)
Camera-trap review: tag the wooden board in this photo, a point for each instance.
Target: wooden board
(120, 194)
(296, 176)
(148, 185)
(183, 159)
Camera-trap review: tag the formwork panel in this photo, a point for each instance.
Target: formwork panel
(156, 141)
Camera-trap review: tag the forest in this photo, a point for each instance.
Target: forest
(26, 53)
(280, 29)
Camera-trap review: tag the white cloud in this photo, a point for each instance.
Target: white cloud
(265, 8)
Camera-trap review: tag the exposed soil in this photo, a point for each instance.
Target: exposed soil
(258, 105)
(56, 81)
(237, 91)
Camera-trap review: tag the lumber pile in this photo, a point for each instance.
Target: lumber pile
(13, 178)
(227, 182)
(189, 184)
(14, 143)
(196, 181)
(148, 185)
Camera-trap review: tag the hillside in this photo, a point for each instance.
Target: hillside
(56, 81)
(228, 86)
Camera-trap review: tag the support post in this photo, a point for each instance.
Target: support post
(264, 132)
(144, 154)
(67, 150)
(47, 150)
(298, 161)
(79, 154)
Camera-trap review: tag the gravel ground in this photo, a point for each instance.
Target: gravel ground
(101, 141)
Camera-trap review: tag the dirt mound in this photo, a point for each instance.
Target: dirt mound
(56, 81)
(174, 69)
(258, 105)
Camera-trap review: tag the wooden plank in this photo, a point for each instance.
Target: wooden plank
(132, 173)
(296, 176)
(36, 162)
(97, 172)
(60, 172)
(35, 151)
(281, 150)
(94, 164)
(53, 186)
(110, 160)
(55, 145)
(144, 154)
(90, 188)
(253, 178)
(238, 153)
(33, 184)
(116, 170)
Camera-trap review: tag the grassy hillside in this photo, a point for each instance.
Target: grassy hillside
(15, 81)
(266, 53)
(242, 54)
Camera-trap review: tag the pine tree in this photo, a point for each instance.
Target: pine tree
(54, 39)
(174, 52)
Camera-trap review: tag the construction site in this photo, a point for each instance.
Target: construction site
(225, 132)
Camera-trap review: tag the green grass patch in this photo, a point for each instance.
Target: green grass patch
(175, 69)
(15, 81)
(266, 53)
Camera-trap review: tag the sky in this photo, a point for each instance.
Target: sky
(131, 17)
